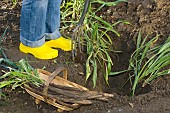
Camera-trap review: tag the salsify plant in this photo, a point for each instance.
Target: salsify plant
(2, 54)
(71, 10)
(99, 46)
(19, 74)
(93, 34)
(98, 53)
(147, 62)
(145, 70)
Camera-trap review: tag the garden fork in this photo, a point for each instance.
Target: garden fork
(76, 31)
(0, 92)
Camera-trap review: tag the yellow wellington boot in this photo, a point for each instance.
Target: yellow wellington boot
(42, 52)
(62, 43)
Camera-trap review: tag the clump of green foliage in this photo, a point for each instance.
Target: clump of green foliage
(18, 73)
(93, 35)
(148, 63)
(23, 74)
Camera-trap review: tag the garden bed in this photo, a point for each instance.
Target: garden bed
(149, 16)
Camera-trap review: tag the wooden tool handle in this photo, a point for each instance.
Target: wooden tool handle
(52, 76)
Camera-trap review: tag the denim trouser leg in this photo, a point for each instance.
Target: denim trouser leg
(53, 19)
(39, 17)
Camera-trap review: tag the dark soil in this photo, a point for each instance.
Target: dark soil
(147, 16)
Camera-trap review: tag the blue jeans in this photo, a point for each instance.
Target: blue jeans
(40, 20)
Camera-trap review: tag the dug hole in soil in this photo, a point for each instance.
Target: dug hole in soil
(149, 16)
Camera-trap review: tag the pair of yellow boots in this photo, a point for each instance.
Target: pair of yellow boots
(46, 51)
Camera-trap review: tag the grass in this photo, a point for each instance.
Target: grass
(146, 63)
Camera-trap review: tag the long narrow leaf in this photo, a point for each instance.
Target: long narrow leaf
(118, 72)
(88, 70)
(109, 3)
(94, 64)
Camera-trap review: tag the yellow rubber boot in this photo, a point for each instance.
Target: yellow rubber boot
(42, 52)
(62, 43)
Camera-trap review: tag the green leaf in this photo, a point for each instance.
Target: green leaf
(110, 29)
(88, 70)
(6, 83)
(3, 35)
(2, 53)
(94, 64)
(5, 75)
(118, 72)
(164, 72)
(109, 3)
(8, 62)
(138, 40)
(103, 21)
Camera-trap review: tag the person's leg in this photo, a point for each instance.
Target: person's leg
(32, 35)
(53, 25)
(53, 19)
(32, 22)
